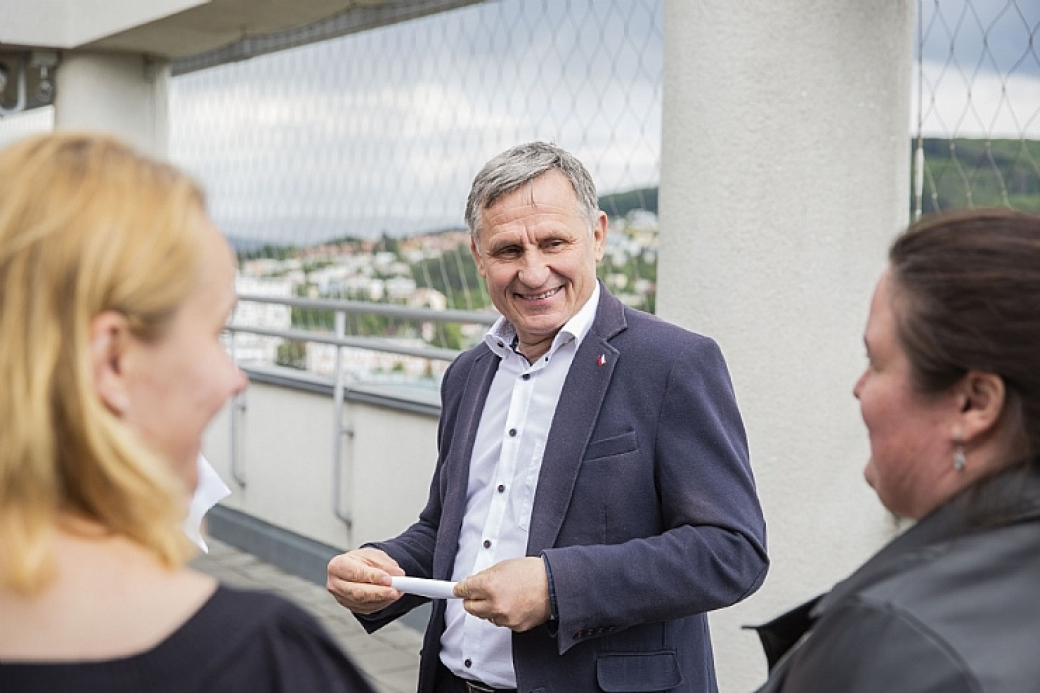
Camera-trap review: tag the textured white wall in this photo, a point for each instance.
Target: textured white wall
(784, 176)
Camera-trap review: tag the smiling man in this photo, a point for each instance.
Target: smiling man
(537, 249)
(593, 495)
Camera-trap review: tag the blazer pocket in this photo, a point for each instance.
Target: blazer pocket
(615, 445)
(638, 672)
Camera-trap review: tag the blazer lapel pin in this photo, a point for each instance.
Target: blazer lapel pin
(601, 360)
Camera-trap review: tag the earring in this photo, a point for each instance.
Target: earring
(959, 459)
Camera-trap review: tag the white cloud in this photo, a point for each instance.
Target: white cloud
(958, 104)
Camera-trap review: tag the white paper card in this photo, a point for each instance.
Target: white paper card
(210, 490)
(434, 589)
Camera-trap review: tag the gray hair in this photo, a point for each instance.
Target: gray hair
(521, 164)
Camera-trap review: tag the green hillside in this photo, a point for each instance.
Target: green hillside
(620, 204)
(959, 173)
(964, 173)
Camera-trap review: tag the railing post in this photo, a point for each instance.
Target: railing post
(338, 430)
(238, 405)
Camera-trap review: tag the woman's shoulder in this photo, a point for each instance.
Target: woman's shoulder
(234, 618)
(991, 566)
(238, 640)
(960, 611)
(258, 641)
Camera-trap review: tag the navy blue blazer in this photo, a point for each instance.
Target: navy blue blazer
(645, 508)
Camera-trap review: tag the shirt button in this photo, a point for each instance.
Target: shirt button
(468, 663)
(512, 432)
(487, 543)
(501, 488)
(526, 376)
(500, 345)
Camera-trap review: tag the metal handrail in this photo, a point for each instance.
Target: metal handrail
(367, 307)
(370, 343)
(238, 407)
(341, 307)
(339, 339)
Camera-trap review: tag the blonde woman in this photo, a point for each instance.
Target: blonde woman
(114, 290)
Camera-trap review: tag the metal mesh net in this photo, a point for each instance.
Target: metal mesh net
(340, 168)
(977, 105)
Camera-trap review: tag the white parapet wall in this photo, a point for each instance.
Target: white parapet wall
(284, 453)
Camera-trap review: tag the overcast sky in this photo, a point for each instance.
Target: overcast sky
(980, 76)
(384, 130)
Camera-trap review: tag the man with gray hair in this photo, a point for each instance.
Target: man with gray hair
(593, 496)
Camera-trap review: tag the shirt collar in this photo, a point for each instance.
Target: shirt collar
(501, 336)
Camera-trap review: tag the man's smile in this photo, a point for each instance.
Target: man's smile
(538, 297)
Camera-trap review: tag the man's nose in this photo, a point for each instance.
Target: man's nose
(534, 271)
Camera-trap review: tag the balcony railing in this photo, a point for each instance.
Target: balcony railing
(339, 338)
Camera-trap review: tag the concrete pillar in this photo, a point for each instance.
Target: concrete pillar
(124, 94)
(784, 176)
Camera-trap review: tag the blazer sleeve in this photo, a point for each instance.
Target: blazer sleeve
(710, 549)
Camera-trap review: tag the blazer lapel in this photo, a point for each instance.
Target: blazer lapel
(576, 413)
(456, 466)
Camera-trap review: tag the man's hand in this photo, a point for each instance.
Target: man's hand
(360, 580)
(513, 594)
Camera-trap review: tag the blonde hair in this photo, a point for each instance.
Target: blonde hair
(86, 226)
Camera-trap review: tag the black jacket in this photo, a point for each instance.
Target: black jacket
(239, 641)
(951, 605)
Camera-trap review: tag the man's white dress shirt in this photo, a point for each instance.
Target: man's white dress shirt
(503, 476)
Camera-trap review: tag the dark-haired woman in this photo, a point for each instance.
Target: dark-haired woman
(951, 401)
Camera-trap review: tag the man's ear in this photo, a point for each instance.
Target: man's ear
(599, 234)
(981, 397)
(109, 339)
(477, 258)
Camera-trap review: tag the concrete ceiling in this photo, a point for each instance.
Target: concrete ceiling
(218, 23)
(178, 29)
